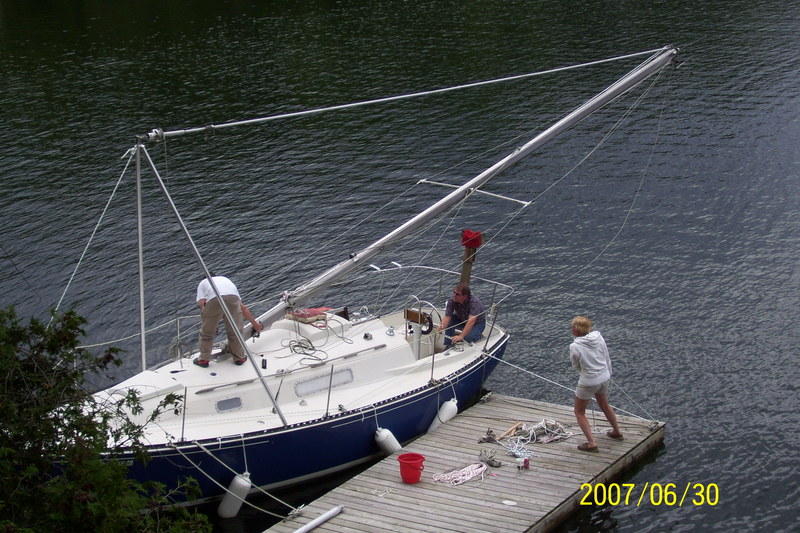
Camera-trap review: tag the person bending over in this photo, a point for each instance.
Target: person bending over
(211, 313)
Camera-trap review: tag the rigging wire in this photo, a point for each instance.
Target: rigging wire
(174, 250)
(177, 345)
(130, 154)
(636, 194)
(512, 216)
(537, 197)
(557, 384)
(136, 335)
(158, 134)
(342, 237)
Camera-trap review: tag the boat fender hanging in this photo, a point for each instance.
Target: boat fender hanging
(234, 496)
(387, 441)
(447, 411)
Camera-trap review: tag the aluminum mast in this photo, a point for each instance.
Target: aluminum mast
(627, 82)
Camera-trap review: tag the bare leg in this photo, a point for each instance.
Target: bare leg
(602, 401)
(583, 422)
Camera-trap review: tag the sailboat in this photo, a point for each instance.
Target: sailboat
(326, 389)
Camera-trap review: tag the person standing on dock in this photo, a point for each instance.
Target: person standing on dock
(589, 356)
(211, 313)
(465, 311)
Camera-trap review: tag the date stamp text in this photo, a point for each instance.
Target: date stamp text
(669, 494)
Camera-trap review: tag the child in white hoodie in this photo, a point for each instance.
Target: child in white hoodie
(589, 355)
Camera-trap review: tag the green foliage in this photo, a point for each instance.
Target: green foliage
(57, 444)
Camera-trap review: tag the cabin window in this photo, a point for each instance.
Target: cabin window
(319, 384)
(229, 404)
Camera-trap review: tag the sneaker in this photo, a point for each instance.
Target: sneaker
(240, 362)
(200, 362)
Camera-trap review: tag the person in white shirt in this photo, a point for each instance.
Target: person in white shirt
(211, 313)
(589, 356)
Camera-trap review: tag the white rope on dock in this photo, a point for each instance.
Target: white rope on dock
(457, 477)
(548, 430)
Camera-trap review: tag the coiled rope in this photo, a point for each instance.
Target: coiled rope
(544, 432)
(457, 477)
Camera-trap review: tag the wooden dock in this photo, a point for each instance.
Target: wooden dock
(506, 499)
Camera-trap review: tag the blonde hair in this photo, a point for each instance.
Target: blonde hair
(581, 325)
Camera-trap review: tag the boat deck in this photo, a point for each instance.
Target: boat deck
(507, 498)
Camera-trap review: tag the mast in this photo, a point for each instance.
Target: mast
(139, 239)
(140, 149)
(304, 292)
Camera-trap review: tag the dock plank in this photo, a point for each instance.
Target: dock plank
(505, 498)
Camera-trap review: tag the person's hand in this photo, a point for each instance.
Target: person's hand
(257, 327)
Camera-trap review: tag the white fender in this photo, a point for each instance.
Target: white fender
(387, 441)
(447, 411)
(234, 498)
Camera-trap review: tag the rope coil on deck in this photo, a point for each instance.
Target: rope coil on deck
(457, 477)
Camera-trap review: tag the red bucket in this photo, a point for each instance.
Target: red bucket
(411, 467)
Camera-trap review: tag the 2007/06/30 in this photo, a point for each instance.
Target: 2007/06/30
(655, 494)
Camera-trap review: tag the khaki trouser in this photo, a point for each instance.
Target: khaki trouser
(210, 316)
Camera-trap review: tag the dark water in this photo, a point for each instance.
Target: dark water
(697, 294)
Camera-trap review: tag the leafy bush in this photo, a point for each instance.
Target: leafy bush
(57, 445)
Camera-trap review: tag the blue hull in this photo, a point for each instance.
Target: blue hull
(296, 454)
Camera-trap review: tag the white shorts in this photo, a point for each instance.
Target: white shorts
(586, 392)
